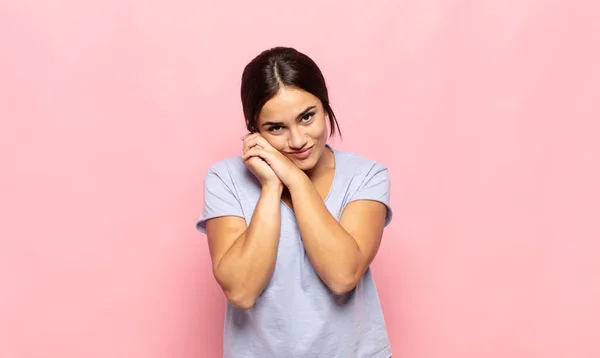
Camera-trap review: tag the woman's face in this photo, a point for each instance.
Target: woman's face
(293, 122)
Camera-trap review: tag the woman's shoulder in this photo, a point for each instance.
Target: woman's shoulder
(229, 170)
(357, 164)
(228, 164)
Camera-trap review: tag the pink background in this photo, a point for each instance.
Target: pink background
(486, 112)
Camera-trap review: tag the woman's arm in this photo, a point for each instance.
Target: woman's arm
(340, 252)
(244, 258)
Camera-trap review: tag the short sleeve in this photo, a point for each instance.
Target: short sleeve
(219, 199)
(376, 186)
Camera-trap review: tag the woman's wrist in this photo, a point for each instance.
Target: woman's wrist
(298, 182)
(276, 187)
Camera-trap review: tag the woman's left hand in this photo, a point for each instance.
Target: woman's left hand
(257, 146)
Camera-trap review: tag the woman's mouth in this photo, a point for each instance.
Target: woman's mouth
(302, 154)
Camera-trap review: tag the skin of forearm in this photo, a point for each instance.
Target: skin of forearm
(335, 255)
(248, 265)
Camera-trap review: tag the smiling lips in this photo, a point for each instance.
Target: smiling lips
(303, 154)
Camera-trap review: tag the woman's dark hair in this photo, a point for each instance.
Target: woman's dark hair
(280, 67)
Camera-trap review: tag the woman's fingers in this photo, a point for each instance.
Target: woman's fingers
(255, 151)
(256, 140)
(260, 140)
(246, 140)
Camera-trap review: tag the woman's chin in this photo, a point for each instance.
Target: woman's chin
(304, 164)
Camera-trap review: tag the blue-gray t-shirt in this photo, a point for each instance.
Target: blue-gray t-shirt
(297, 315)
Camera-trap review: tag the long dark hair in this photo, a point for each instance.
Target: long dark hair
(281, 67)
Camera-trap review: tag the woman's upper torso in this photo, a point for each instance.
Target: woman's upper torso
(297, 315)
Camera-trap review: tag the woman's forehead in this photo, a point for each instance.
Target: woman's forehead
(287, 104)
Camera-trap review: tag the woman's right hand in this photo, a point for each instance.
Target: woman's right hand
(263, 171)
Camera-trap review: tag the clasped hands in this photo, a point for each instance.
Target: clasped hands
(269, 165)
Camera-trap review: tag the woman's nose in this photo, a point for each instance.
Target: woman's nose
(297, 139)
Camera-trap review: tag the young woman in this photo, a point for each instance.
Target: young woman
(293, 224)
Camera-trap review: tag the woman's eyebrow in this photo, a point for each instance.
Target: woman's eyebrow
(302, 114)
(272, 124)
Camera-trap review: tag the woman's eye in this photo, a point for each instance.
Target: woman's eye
(307, 117)
(275, 129)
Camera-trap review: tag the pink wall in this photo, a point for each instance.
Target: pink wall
(486, 112)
